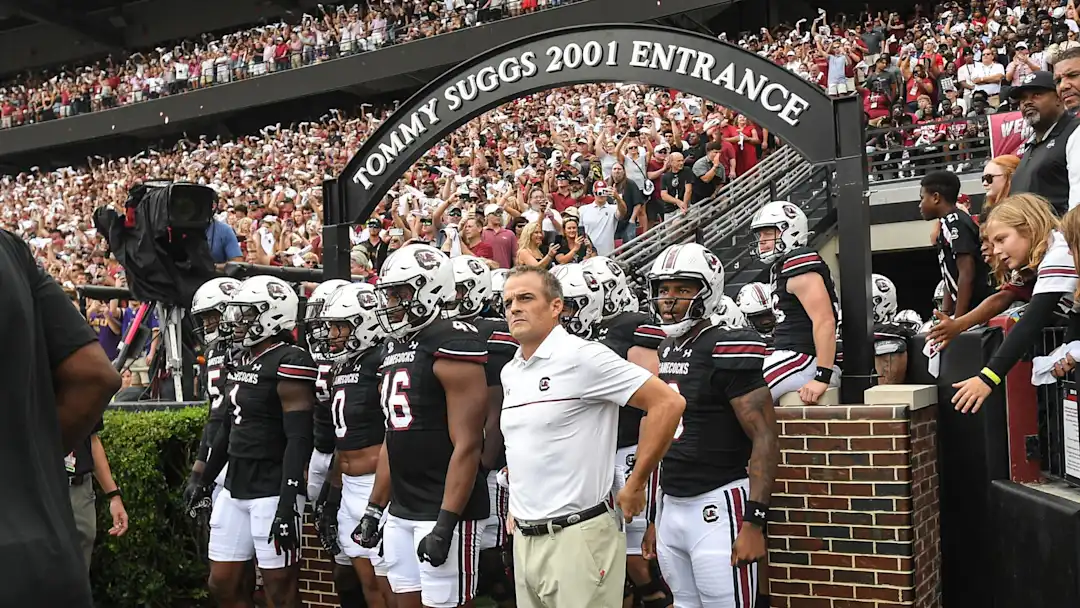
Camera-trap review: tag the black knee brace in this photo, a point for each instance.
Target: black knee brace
(347, 584)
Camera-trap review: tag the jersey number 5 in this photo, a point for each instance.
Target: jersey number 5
(216, 397)
(395, 401)
(678, 429)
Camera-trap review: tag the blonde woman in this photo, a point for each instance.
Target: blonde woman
(997, 180)
(1026, 238)
(531, 244)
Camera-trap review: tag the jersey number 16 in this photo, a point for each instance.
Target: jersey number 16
(395, 400)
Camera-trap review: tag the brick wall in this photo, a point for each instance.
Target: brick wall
(855, 517)
(316, 576)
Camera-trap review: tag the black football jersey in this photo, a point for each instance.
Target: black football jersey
(501, 347)
(257, 438)
(357, 414)
(217, 368)
(324, 423)
(794, 330)
(709, 368)
(958, 236)
(620, 334)
(891, 339)
(417, 432)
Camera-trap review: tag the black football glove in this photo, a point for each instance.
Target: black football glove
(197, 497)
(285, 532)
(435, 547)
(367, 533)
(326, 526)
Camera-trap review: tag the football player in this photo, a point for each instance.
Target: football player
(267, 440)
(755, 301)
(632, 336)
(730, 317)
(717, 478)
(473, 296)
(207, 307)
(352, 332)
(498, 281)
(346, 583)
(804, 303)
(890, 338)
(910, 319)
(434, 396)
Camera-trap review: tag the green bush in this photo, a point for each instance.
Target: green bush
(160, 562)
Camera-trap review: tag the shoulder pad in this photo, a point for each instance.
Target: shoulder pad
(801, 261)
(738, 349)
(457, 340)
(296, 364)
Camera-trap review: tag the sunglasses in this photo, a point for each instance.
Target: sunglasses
(988, 178)
(425, 222)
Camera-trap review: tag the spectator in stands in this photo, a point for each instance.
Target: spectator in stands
(997, 180)
(1050, 166)
(503, 243)
(1067, 75)
(708, 172)
(677, 187)
(986, 76)
(600, 218)
(224, 247)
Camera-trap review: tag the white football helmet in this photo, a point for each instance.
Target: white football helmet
(790, 223)
(686, 262)
(498, 282)
(209, 304)
(754, 299)
(910, 319)
(414, 286)
(314, 328)
(583, 299)
(262, 308)
(472, 285)
(617, 295)
(883, 299)
(730, 317)
(353, 304)
(939, 295)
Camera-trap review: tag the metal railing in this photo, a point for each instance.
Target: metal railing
(959, 145)
(1052, 416)
(768, 178)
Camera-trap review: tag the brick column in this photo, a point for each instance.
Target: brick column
(316, 570)
(855, 508)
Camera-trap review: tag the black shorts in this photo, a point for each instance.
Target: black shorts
(654, 210)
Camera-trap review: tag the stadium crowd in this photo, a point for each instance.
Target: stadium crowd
(296, 41)
(910, 71)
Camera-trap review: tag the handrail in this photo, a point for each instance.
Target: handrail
(771, 170)
(897, 161)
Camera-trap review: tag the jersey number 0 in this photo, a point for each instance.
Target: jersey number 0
(395, 400)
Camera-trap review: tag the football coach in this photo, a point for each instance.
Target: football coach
(560, 411)
(57, 382)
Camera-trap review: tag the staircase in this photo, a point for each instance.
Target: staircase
(722, 222)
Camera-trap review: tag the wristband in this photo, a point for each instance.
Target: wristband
(113, 494)
(756, 513)
(988, 374)
(447, 521)
(374, 510)
(823, 374)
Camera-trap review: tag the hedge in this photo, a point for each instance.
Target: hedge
(160, 562)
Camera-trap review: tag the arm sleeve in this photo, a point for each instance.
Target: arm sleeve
(1038, 314)
(65, 329)
(616, 379)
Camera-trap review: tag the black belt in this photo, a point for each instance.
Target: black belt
(554, 525)
(78, 480)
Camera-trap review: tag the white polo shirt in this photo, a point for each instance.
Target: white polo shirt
(559, 422)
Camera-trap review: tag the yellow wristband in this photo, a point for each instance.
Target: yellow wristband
(989, 373)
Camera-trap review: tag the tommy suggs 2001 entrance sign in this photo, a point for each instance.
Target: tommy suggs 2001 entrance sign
(796, 110)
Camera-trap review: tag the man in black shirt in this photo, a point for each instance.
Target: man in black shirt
(1048, 167)
(58, 377)
(676, 186)
(708, 172)
(966, 275)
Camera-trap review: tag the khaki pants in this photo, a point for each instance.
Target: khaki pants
(582, 566)
(83, 508)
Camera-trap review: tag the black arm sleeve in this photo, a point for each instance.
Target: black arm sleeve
(299, 430)
(209, 434)
(218, 455)
(1037, 316)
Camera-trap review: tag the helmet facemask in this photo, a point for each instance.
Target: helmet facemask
(570, 317)
(695, 309)
(399, 312)
(240, 322)
(209, 325)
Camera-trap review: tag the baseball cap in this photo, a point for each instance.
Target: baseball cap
(1036, 80)
(491, 209)
(563, 175)
(599, 186)
(1021, 45)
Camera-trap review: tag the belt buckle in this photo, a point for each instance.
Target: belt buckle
(573, 519)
